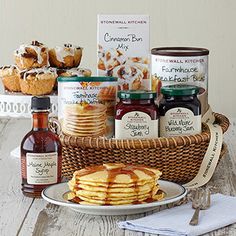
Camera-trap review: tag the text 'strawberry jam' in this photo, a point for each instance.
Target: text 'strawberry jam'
(136, 115)
(180, 111)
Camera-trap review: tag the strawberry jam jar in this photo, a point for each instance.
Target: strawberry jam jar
(137, 115)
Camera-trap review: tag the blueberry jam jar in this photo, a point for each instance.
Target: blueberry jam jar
(180, 111)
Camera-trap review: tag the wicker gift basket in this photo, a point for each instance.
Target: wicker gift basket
(179, 158)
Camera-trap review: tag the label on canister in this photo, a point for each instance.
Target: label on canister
(181, 66)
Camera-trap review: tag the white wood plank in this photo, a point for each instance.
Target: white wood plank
(13, 205)
(54, 221)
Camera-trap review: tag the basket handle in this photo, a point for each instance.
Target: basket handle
(55, 126)
(222, 120)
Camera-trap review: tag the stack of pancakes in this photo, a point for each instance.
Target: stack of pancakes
(84, 120)
(115, 184)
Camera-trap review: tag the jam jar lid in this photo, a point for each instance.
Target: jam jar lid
(137, 94)
(179, 90)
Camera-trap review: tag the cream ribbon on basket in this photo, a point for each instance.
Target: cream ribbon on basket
(212, 154)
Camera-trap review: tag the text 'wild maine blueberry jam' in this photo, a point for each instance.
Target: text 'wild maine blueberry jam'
(180, 111)
(136, 115)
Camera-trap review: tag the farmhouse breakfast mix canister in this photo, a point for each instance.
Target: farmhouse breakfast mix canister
(86, 105)
(181, 65)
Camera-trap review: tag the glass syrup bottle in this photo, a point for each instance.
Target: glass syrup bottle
(41, 152)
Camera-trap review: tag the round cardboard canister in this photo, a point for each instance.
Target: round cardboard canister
(80, 98)
(181, 65)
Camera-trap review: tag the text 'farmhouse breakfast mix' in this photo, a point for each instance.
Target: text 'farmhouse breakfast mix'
(131, 97)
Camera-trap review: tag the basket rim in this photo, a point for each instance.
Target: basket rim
(161, 142)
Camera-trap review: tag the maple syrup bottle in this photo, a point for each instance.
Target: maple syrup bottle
(41, 152)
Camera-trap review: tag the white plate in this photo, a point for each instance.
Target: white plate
(54, 194)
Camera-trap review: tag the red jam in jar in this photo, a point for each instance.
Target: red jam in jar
(136, 115)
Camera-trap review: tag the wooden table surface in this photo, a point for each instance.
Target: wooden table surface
(24, 216)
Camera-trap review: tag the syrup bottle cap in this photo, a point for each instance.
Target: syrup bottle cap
(40, 103)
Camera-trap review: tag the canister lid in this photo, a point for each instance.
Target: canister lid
(86, 79)
(137, 94)
(179, 90)
(180, 51)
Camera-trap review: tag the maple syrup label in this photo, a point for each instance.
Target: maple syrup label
(41, 168)
(179, 121)
(136, 125)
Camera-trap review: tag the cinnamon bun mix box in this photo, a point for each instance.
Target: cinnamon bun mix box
(123, 49)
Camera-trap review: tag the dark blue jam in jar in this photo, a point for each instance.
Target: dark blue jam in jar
(180, 111)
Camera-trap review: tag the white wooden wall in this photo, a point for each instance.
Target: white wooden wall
(203, 23)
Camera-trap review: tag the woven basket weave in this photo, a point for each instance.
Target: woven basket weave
(179, 158)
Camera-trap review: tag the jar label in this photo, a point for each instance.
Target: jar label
(136, 125)
(179, 121)
(41, 168)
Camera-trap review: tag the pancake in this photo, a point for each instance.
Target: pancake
(84, 109)
(111, 202)
(86, 119)
(72, 133)
(115, 184)
(109, 198)
(95, 130)
(125, 175)
(116, 194)
(88, 201)
(95, 125)
(84, 128)
(133, 189)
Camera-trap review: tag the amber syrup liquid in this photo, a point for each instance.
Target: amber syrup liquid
(39, 140)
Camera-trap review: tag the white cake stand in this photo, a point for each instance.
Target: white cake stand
(18, 105)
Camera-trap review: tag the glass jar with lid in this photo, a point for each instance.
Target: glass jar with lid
(137, 115)
(180, 111)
